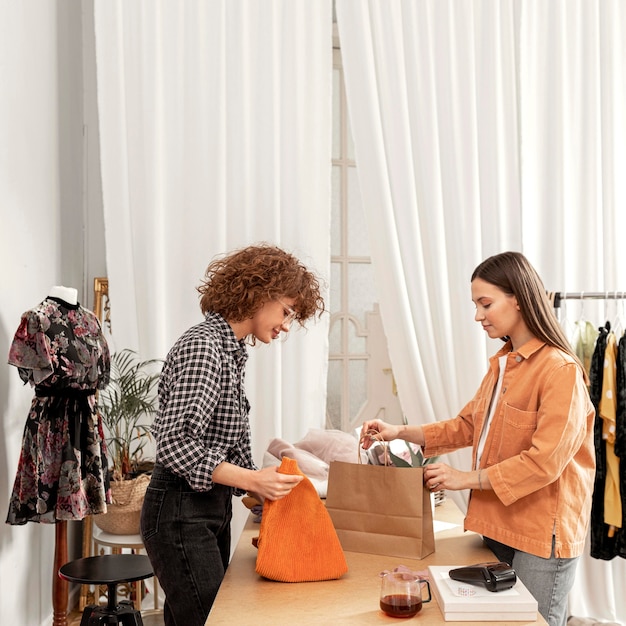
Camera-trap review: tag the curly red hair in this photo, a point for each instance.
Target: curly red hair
(237, 284)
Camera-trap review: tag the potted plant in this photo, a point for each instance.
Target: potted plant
(127, 406)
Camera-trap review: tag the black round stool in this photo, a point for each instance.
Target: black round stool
(109, 569)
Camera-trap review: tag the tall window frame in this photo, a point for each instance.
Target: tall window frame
(361, 384)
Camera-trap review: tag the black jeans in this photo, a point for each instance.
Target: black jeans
(187, 537)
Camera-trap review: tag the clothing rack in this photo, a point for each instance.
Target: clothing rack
(558, 296)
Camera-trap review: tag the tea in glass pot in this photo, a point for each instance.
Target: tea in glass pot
(401, 594)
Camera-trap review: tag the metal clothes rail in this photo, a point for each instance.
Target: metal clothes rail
(558, 296)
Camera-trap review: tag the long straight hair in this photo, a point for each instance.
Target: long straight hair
(514, 275)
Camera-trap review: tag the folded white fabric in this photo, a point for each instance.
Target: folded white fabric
(314, 453)
(310, 465)
(331, 445)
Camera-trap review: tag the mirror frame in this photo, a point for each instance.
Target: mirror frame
(102, 310)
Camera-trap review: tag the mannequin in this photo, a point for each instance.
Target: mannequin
(59, 349)
(69, 294)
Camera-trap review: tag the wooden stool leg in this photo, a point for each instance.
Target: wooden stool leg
(138, 595)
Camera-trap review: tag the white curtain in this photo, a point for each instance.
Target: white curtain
(573, 129)
(431, 92)
(482, 126)
(214, 122)
(573, 125)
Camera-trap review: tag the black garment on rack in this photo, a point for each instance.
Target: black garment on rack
(620, 427)
(603, 546)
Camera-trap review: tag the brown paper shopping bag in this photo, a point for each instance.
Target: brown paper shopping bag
(380, 509)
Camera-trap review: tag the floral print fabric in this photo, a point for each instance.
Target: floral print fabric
(59, 349)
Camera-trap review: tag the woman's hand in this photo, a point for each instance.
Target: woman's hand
(272, 485)
(386, 431)
(439, 476)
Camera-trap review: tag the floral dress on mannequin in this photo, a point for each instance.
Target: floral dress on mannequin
(59, 349)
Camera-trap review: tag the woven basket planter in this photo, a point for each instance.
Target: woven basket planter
(124, 514)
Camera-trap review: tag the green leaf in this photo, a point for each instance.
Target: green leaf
(127, 406)
(417, 458)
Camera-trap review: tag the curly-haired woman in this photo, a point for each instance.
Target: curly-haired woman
(202, 433)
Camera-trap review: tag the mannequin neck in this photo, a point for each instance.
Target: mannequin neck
(68, 294)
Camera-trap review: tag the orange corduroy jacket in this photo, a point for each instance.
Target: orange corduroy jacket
(539, 452)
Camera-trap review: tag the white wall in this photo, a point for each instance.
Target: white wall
(41, 244)
(51, 233)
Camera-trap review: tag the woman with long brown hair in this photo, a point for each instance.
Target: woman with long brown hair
(530, 426)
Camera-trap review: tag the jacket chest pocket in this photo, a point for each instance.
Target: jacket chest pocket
(517, 430)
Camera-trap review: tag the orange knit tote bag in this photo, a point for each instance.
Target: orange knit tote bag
(297, 540)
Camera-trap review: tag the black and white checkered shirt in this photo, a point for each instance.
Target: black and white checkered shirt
(203, 410)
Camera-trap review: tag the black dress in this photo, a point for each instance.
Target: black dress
(59, 349)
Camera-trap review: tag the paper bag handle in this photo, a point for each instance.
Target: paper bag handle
(374, 434)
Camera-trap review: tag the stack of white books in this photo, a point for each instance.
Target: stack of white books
(464, 602)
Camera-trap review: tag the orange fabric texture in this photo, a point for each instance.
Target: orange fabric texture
(297, 540)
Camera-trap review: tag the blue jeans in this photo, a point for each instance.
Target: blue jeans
(187, 537)
(549, 580)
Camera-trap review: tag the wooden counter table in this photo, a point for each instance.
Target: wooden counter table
(245, 598)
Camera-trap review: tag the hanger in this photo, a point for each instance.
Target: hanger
(581, 316)
(618, 328)
(569, 327)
